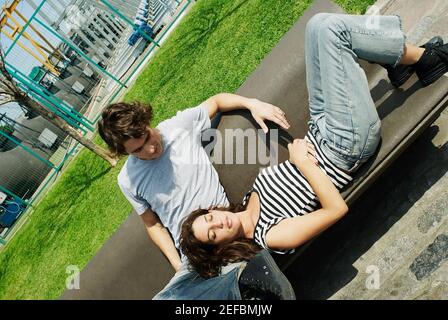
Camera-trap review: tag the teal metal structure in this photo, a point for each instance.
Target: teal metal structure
(60, 107)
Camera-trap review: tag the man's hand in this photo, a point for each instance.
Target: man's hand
(177, 266)
(161, 237)
(262, 111)
(301, 152)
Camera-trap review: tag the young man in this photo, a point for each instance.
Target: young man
(168, 174)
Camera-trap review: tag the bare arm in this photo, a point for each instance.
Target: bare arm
(161, 237)
(260, 111)
(293, 232)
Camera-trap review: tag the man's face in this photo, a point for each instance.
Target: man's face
(147, 147)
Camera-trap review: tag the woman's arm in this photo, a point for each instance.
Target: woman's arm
(293, 232)
(301, 155)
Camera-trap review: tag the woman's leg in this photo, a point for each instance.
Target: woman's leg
(411, 54)
(349, 125)
(313, 78)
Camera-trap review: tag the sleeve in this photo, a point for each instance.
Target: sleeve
(195, 118)
(140, 205)
(262, 239)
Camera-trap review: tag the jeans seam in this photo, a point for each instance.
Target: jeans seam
(349, 104)
(400, 55)
(371, 33)
(361, 156)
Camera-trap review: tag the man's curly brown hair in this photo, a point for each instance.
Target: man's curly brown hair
(122, 121)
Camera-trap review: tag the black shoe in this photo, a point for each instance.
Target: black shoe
(432, 65)
(262, 279)
(399, 74)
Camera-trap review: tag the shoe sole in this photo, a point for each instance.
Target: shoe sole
(289, 291)
(434, 76)
(399, 82)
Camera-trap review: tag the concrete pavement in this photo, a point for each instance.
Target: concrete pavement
(396, 230)
(394, 242)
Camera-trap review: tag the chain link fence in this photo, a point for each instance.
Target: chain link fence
(73, 57)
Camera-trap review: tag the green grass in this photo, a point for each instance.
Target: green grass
(79, 214)
(213, 50)
(355, 6)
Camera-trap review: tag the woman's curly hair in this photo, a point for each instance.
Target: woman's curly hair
(207, 259)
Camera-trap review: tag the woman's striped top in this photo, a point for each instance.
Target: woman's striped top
(284, 192)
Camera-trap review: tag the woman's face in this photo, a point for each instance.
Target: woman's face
(217, 227)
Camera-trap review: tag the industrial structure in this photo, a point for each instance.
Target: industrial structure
(82, 52)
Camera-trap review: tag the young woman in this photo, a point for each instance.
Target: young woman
(294, 201)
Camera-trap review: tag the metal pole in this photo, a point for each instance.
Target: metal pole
(25, 27)
(115, 11)
(113, 33)
(175, 19)
(43, 15)
(95, 27)
(78, 51)
(28, 149)
(147, 54)
(55, 7)
(11, 194)
(93, 49)
(49, 101)
(98, 25)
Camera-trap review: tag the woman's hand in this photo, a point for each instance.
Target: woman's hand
(302, 152)
(262, 111)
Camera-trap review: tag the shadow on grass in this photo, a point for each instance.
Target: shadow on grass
(189, 46)
(47, 229)
(71, 190)
(208, 21)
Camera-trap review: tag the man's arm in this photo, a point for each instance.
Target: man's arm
(261, 111)
(161, 237)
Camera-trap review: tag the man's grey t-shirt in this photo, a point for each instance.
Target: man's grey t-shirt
(181, 180)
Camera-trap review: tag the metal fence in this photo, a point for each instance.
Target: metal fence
(83, 54)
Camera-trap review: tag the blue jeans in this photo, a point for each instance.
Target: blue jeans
(343, 116)
(188, 285)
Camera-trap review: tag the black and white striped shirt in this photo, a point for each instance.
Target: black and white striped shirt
(284, 192)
